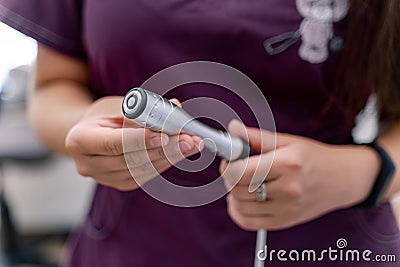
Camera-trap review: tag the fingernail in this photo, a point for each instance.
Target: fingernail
(158, 141)
(164, 139)
(155, 141)
(200, 147)
(184, 147)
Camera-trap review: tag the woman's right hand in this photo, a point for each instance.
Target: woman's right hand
(104, 150)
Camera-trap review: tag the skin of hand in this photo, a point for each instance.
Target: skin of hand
(304, 178)
(104, 150)
(65, 116)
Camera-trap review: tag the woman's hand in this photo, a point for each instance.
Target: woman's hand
(304, 179)
(102, 149)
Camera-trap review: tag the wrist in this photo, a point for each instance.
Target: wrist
(360, 167)
(382, 180)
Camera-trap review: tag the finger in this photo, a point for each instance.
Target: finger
(245, 222)
(106, 164)
(261, 140)
(179, 147)
(198, 142)
(242, 193)
(176, 102)
(275, 190)
(271, 215)
(139, 160)
(140, 139)
(122, 184)
(128, 123)
(253, 208)
(144, 173)
(108, 141)
(139, 176)
(117, 122)
(131, 159)
(250, 172)
(142, 157)
(113, 177)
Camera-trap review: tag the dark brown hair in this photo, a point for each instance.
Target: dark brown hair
(372, 55)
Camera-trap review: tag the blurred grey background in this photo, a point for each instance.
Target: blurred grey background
(42, 198)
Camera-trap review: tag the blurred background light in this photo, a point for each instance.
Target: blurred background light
(16, 49)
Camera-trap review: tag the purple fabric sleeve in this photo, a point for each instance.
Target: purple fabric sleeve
(54, 23)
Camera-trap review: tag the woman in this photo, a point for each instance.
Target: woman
(92, 51)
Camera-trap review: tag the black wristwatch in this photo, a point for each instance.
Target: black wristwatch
(383, 179)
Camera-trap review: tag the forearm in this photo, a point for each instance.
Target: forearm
(54, 108)
(390, 141)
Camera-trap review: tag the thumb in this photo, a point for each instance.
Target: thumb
(260, 140)
(176, 102)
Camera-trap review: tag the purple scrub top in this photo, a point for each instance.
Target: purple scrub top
(124, 43)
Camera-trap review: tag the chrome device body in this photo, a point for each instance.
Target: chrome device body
(153, 111)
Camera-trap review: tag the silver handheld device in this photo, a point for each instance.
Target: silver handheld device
(153, 111)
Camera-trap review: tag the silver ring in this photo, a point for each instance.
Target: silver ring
(261, 193)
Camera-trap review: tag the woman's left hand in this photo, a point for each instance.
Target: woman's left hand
(304, 179)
